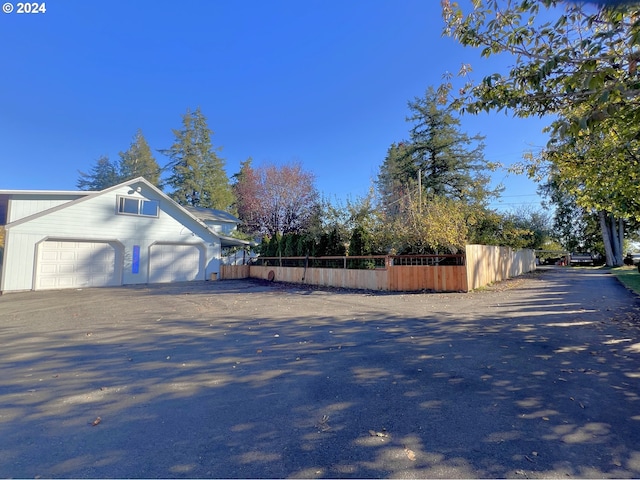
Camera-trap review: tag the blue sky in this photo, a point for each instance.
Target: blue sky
(322, 82)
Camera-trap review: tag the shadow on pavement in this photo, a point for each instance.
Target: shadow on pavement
(240, 379)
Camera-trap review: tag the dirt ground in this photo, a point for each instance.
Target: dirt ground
(536, 377)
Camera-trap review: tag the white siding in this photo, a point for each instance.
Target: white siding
(21, 208)
(95, 218)
(17, 269)
(224, 228)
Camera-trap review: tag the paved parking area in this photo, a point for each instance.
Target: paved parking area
(538, 377)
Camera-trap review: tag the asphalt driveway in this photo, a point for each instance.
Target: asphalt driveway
(537, 377)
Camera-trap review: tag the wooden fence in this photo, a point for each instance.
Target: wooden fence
(489, 264)
(327, 277)
(234, 272)
(480, 266)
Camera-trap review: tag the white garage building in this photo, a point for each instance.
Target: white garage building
(131, 233)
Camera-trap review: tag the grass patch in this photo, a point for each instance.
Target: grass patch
(629, 276)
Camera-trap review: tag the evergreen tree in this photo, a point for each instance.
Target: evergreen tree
(451, 162)
(265, 247)
(446, 162)
(103, 174)
(197, 173)
(290, 243)
(360, 243)
(216, 189)
(331, 244)
(306, 246)
(275, 246)
(397, 177)
(138, 161)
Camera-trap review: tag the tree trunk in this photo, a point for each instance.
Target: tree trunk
(606, 238)
(613, 233)
(612, 239)
(621, 239)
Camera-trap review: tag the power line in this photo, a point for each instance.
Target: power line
(523, 195)
(514, 203)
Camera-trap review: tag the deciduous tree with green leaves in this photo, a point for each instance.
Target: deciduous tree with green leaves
(437, 225)
(572, 223)
(197, 175)
(601, 179)
(580, 64)
(566, 55)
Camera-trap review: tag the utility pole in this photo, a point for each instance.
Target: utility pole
(419, 190)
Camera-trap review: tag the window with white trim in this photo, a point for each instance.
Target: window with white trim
(138, 206)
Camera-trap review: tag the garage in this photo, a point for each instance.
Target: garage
(127, 234)
(175, 263)
(76, 264)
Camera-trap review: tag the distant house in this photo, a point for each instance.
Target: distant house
(217, 220)
(127, 234)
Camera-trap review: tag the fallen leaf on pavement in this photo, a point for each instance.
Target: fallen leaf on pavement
(323, 424)
(410, 454)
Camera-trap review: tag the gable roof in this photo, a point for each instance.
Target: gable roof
(49, 193)
(226, 241)
(6, 195)
(82, 197)
(195, 214)
(211, 214)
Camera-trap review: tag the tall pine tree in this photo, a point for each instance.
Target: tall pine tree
(103, 174)
(397, 177)
(197, 173)
(138, 161)
(450, 163)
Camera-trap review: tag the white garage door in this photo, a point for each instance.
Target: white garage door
(75, 264)
(175, 263)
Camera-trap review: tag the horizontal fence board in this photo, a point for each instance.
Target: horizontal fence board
(327, 277)
(440, 279)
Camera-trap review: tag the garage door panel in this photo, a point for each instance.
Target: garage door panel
(48, 269)
(63, 282)
(175, 263)
(73, 264)
(63, 268)
(48, 256)
(46, 283)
